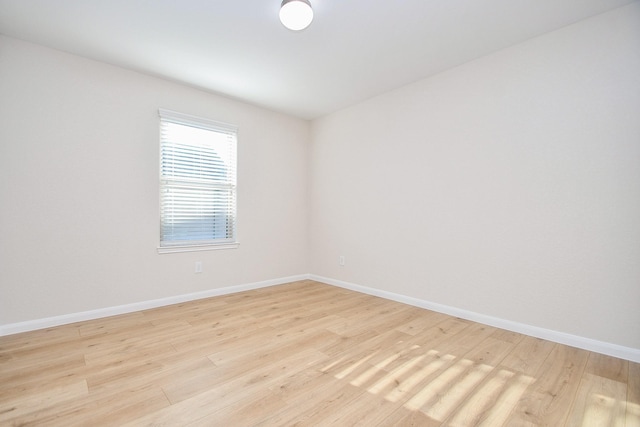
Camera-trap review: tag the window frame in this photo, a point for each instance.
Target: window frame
(169, 116)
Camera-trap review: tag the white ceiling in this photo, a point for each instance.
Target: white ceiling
(353, 50)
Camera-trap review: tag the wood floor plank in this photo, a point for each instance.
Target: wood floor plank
(111, 324)
(306, 354)
(321, 408)
(427, 320)
(600, 401)
(35, 339)
(608, 367)
(365, 410)
(528, 355)
(549, 399)
(403, 417)
(58, 370)
(45, 397)
(226, 390)
(243, 412)
(99, 409)
(632, 414)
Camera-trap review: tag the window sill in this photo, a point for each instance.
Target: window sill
(194, 248)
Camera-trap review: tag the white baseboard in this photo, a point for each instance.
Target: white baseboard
(627, 353)
(614, 350)
(49, 322)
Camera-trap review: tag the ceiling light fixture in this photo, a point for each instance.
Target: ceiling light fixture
(296, 15)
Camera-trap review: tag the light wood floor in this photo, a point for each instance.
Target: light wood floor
(310, 354)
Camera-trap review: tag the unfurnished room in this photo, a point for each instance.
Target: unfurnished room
(320, 212)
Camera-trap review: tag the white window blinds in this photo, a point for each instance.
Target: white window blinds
(197, 181)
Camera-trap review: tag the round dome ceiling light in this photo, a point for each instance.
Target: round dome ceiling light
(296, 15)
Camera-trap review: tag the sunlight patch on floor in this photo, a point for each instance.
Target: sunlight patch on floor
(353, 367)
(363, 378)
(457, 392)
(431, 390)
(603, 410)
(387, 361)
(633, 414)
(407, 385)
(332, 364)
(461, 392)
(395, 375)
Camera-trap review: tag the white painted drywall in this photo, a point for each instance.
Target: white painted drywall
(508, 186)
(79, 188)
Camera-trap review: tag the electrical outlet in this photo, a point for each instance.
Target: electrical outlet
(341, 260)
(198, 266)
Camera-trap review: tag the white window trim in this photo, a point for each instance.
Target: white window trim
(189, 120)
(196, 248)
(194, 121)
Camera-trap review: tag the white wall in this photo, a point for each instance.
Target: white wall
(79, 214)
(508, 186)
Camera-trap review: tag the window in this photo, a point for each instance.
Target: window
(197, 183)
